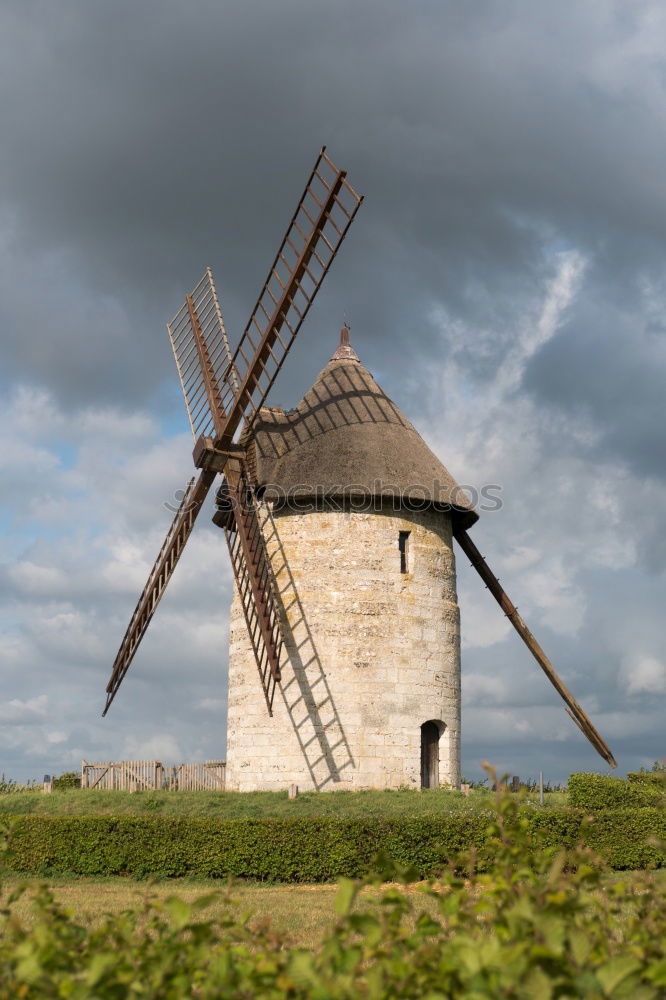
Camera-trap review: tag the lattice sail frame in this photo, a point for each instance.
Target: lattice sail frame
(222, 389)
(253, 573)
(200, 319)
(241, 382)
(162, 570)
(319, 225)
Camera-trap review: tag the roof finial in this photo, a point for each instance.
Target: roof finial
(345, 351)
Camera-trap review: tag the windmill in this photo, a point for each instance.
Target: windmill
(254, 448)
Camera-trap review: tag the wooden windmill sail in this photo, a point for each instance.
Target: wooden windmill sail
(224, 392)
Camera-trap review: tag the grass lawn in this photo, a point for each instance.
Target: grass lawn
(240, 805)
(305, 913)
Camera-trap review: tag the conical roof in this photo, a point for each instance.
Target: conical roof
(346, 437)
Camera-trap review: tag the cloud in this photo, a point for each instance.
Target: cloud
(645, 675)
(56, 737)
(218, 705)
(161, 746)
(20, 713)
(67, 591)
(504, 282)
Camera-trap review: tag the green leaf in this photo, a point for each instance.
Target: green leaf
(538, 986)
(615, 972)
(368, 926)
(29, 968)
(301, 968)
(99, 964)
(581, 946)
(657, 973)
(345, 896)
(203, 902)
(179, 911)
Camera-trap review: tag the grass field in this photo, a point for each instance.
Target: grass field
(304, 913)
(240, 805)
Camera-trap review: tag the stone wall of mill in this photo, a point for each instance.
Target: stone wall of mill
(371, 654)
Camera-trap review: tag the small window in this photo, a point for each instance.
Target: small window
(403, 545)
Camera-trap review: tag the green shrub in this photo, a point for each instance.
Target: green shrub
(305, 849)
(597, 791)
(275, 850)
(70, 779)
(541, 923)
(653, 779)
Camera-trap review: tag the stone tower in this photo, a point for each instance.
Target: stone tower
(356, 513)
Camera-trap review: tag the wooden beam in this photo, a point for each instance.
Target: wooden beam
(243, 398)
(510, 610)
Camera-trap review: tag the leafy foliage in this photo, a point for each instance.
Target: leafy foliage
(303, 849)
(654, 779)
(536, 924)
(69, 779)
(598, 791)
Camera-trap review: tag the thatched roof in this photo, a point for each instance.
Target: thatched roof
(346, 437)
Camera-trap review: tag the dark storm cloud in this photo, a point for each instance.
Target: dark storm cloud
(609, 362)
(143, 142)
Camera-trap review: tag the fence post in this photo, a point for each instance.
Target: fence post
(541, 787)
(515, 783)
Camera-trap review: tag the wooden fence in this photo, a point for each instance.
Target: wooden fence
(137, 775)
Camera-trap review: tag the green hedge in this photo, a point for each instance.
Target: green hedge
(305, 849)
(627, 839)
(597, 791)
(654, 779)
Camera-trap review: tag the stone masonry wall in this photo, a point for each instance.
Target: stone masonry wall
(372, 653)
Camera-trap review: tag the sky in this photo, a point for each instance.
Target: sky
(505, 282)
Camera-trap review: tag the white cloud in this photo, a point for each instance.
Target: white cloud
(56, 737)
(217, 705)
(70, 582)
(160, 746)
(535, 332)
(29, 578)
(483, 688)
(644, 675)
(66, 635)
(16, 712)
(504, 724)
(482, 622)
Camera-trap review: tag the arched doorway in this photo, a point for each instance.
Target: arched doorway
(430, 733)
